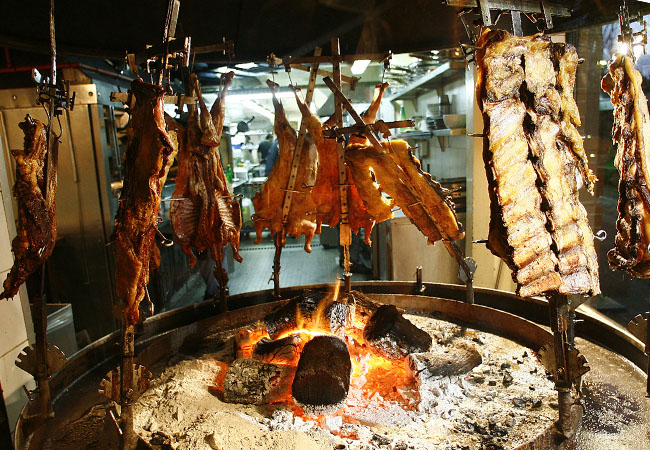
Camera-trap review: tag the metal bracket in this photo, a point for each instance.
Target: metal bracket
(576, 363)
(628, 36)
(110, 385)
(639, 327)
(28, 360)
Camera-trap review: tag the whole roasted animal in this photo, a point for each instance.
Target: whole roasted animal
(326, 189)
(204, 214)
(269, 202)
(395, 170)
(535, 160)
(35, 192)
(149, 154)
(631, 135)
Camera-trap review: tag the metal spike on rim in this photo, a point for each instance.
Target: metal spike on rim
(577, 363)
(110, 384)
(639, 327)
(28, 360)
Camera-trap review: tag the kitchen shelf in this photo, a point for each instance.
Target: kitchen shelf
(445, 71)
(449, 132)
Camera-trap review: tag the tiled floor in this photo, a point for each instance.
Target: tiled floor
(254, 273)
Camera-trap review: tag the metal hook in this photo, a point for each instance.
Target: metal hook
(601, 235)
(163, 239)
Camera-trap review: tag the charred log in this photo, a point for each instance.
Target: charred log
(281, 351)
(311, 310)
(433, 366)
(255, 382)
(393, 336)
(322, 378)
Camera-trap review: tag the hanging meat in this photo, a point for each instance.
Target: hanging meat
(326, 189)
(149, 155)
(631, 135)
(35, 192)
(394, 169)
(534, 159)
(268, 203)
(204, 214)
(370, 114)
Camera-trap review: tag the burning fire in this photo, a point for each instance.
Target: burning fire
(374, 378)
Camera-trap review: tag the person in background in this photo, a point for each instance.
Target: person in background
(271, 156)
(247, 150)
(263, 148)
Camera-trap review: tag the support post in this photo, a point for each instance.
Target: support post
(126, 385)
(345, 232)
(276, 263)
(5, 429)
(559, 322)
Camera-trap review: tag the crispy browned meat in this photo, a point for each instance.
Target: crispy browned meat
(35, 192)
(631, 135)
(149, 155)
(268, 203)
(533, 156)
(398, 172)
(205, 216)
(326, 192)
(370, 114)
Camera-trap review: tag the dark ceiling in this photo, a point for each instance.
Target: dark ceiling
(110, 28)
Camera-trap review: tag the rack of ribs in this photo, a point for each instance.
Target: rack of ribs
(534, 158)
(394, 169)
(631, 135)
(268, 203)
(204, 214)
(149, 155)
(326, 188)
(35, 192)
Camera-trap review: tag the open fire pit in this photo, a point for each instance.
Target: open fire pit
(318, 373)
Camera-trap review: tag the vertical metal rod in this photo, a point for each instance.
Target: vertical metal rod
(5, 429)
(345, 232)
(559, 318)
(52, 43)
(126, 385)
(647, 352)
(276, 263)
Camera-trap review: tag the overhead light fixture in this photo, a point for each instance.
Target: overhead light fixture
(360, 66)
(248, 65)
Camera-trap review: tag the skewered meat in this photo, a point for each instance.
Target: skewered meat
(205, 215)
(370, 114)
(149, 155)
(396, 169)
(35, 192)
(534, 157)
(268, 203)
(326, 189)
(631, 135)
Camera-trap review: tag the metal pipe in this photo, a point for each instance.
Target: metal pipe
(126, 385)
(276, 263)
(5, 429)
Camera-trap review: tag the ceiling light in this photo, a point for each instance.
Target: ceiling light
(248, 65)
(360, 66)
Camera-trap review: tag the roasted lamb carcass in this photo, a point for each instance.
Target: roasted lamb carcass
(326, 191)
(631, 135)
(204, 214)
(268, 203)
(149, 155)
(35, 192)
(533, 157)
(395, 170)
